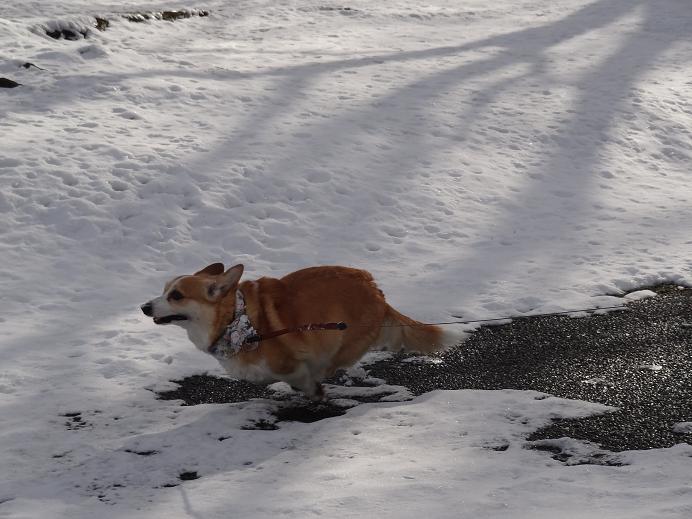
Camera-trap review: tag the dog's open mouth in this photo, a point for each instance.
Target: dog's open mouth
(169, 318)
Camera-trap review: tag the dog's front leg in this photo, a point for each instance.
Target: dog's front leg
(303, 380)
(319, 394)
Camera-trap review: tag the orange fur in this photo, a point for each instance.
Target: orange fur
(312, 295)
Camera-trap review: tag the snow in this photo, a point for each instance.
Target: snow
(440, 454)
(639, 295)
(482, 159)
(683, 428)
(652, 367)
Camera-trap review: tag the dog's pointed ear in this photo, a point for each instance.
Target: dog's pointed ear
(225, 282)
(212, 270)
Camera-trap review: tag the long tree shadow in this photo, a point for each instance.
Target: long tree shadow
(525, 42)
(572, 170)
(600, 94)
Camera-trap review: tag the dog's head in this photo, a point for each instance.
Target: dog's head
(197, 302)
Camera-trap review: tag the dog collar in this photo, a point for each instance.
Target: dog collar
(235, 337)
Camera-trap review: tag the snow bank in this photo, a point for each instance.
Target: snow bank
(444, 454)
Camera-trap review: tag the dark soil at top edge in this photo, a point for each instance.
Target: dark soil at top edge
(169, 16)
(600, 358)
(101, 23)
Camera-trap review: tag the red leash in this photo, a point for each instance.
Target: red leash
(342, 325)
(305, 328)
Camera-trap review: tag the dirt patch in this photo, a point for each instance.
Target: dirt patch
(102, 23)
(169, 16)
(72, 33)
(78, 30)
(207, 389)
(347, 11)
(188, 476)
(8, 83)
(75, 421)
(308, 412)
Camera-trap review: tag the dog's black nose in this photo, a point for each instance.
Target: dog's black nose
(147, 309)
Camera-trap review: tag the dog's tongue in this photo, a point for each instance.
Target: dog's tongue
(168, 318)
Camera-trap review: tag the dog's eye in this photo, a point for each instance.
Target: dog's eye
(176, 295)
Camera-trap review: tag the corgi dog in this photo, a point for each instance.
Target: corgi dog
(267, 330)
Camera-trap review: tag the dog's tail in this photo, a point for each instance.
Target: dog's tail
(400, 332)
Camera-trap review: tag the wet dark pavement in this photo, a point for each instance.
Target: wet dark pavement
(639, 360)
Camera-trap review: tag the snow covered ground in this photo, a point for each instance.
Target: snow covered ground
(482, 159)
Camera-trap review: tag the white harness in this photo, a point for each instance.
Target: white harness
(235, 338)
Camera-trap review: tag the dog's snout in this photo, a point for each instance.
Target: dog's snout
(147, 309)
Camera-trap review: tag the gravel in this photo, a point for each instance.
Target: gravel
(639, 360)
